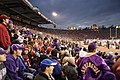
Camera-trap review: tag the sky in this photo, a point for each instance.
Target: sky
(80, 13)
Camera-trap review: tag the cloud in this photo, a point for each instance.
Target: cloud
(82, 12)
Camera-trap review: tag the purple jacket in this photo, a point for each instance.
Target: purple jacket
(57, 46)
(15, 69)
(92, 68)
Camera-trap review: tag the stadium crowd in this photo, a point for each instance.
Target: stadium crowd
(27, 54)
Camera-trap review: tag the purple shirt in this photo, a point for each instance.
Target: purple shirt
(15, 69)
(92, 68)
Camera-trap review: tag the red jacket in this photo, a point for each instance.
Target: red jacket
(4, 37)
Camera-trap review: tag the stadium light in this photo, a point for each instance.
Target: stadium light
(54, 14)
(117, 26)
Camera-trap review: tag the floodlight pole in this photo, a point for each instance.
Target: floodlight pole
(116, 31)
(110, 33)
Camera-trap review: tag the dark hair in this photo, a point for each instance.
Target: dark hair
(11, 51)
(43, 69)
(62, 48)
(117, 57)
(89, 50)
(1, 20)
(104, 55)
(54, 52)
(99, 53)
(16, 42)
(116, 53)
(46, 38)
(76, 45)
(84, 49)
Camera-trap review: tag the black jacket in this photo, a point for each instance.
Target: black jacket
(70, 71)
(41, 76)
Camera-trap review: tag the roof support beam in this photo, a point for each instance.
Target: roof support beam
(23, 15)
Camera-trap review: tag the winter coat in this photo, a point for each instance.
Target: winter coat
(92, 68)
(4, 37)
(15, 69)
(70, 71)
(42, 76)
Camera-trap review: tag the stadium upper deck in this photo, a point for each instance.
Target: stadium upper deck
(23, 11)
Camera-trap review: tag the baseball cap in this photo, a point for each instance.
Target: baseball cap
(16, 46)
(2, 51)
(10, 22)
(4, 17)
(47, 62)
(92, 46)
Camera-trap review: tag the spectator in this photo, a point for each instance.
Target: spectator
(69, 68)
(4, 35)
(47, 55)
(45, 44)
(109, 60)
(15, 69)
(28, 71)
(2, 66)
(55, 44)
(116, 68)
(82, 53)
(26, 58)
(57, 72)
(109, 76)
(47, 67)
(93, 66)
(10, 29)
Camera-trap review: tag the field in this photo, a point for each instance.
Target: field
(108, 50)
(105, 49)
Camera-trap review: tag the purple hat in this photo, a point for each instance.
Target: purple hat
(92, 46)
(55, 39)
(17, 46)
(47, 62)
(10, 22)
(77, 49)
(2, 51)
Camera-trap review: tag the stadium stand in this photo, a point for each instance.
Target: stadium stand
(37, 51)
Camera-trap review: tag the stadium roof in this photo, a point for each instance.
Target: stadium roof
(22, 10)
